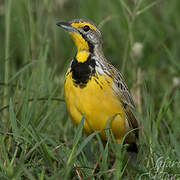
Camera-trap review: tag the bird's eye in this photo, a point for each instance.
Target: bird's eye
(86, 28)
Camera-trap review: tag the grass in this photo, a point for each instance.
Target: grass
(37, 137)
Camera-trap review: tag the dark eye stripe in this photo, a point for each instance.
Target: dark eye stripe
(86, 28)
(91, 46)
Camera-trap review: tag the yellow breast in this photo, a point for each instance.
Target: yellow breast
(98, 103)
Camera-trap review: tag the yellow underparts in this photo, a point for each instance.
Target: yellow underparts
(98, 103)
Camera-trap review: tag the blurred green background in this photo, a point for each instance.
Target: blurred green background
(140, 37)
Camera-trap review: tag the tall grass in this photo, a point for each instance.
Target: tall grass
(37, 137)
(7, 53)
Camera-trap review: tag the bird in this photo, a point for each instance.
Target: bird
(95, 89)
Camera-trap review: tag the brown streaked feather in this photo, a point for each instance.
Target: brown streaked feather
(126, 101)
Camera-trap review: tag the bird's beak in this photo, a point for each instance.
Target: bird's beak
(66, 25)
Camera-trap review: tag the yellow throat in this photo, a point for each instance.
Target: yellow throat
(81, 45)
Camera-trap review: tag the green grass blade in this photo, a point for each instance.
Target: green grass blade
(76, 140)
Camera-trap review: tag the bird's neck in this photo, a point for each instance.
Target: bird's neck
(83, 55)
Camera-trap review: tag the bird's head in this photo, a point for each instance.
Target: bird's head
(84, 33)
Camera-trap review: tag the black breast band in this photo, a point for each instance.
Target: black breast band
(82, 72)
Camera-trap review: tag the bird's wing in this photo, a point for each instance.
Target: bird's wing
(121, 90)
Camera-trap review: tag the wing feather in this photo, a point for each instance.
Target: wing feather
(121, 90)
